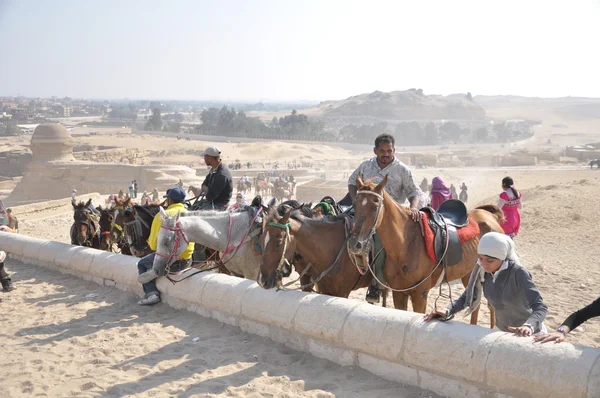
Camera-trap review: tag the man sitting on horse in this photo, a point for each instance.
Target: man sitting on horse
(401, 185)
(218, 185)
(147, 275)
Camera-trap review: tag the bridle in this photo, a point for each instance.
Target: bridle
(172, 256)
(91, 233)
(377, 212)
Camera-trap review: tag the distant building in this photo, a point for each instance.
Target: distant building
(21, 114)
(63, 110)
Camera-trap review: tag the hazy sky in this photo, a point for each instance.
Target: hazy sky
(303, 49)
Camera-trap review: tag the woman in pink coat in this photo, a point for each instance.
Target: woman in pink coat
(439, 192)
(510, 202)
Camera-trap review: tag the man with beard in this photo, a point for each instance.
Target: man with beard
(401, 185)
(218, 184)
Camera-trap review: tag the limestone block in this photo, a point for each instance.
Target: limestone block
(322, 317)
(326, 350)
(454, 348)
(63, 258)
(189, 290)
(593, 389)
(377, 331)
(125, 270)
(517, 365)
(16, 244)
(388, 370)
(82, 260)
(224, 293)
(271, 307)
(32, 249)
(50, 250)
(253, 327)
(450, 387)
(104, 264)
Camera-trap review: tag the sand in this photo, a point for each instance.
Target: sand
(58, 343)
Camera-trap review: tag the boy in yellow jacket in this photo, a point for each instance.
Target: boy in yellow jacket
(147, 278)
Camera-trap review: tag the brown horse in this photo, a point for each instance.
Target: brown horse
(136, 226)
(117, 233)
(408, 268)
(106, 222)
(85, 230)
(320, 242)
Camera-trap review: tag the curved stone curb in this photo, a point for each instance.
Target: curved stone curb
(452, 359)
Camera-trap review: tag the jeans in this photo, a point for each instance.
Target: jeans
(146, 264)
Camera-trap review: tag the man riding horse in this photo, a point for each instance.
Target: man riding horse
(218, 184)
(147, 275)
(401, 185)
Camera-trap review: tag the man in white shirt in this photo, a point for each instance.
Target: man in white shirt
(401, 185)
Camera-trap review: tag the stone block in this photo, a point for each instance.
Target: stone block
(389, 370)
(335, 353)
(593, 387)
(81, 259)
(104, 264)
(377, 331)
(49, 251)
(270, 306)
(63, 258)
(517, 366)
(323, 317)
(454, 349)
(17, 244)
(224, 294)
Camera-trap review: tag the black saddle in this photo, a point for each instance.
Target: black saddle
(451, 216)
(454, 212)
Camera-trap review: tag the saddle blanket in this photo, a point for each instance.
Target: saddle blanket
(470, 231)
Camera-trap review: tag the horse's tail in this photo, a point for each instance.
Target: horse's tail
(495, 210)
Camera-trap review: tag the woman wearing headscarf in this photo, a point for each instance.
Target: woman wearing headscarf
(506, 285)
(510, 202)
(240, 203)
(573, 321)
(439, 192)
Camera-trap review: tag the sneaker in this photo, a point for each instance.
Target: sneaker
(147, 276)
(150, 300)
(373, 295)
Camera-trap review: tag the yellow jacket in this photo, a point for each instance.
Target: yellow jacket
(156, 224)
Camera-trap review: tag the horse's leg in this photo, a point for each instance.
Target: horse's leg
(384, 298)
(418, 297)
(400, 300)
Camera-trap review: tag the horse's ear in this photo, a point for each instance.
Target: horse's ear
(177, 215)
(286, 216)
(382, 184)
(89, 202)
(359, 182)
(272, 202)
(163, 213)
(127, 202)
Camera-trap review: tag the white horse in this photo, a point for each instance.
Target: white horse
(229, 233)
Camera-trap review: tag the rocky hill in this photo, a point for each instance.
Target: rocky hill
(404, 105)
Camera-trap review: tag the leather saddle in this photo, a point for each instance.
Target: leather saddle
(451, 216)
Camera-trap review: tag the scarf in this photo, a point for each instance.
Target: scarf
(438, 186)
(492, 244)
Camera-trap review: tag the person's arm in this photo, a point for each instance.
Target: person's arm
(410, 188)
(217, 185)
(534, 299)
(154, 229)
(572, 321)
(579, 317)
(453, 308)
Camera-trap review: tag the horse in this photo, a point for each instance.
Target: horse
(320, 242)
(594, 162)
(137, 222)
(243, 186)
(464, 196)
(106, 225)
(263, 186)
(117, 233)
(408, 269)
(85, 230)
(234, 235)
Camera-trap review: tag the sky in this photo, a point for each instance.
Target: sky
(297, 50)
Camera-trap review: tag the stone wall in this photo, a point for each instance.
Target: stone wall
(451, 359)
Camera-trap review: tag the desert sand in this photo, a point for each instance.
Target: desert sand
(58, 343)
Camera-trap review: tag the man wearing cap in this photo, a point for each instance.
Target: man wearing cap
(7, 284)
(218, 184)
(147, 275)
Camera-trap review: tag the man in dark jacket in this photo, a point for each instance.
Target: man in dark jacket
(218, 184)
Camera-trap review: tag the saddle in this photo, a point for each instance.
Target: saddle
(329, 206)
(445, 224)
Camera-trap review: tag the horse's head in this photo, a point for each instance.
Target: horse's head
(368, 211)
(82, 221)
(106, 225)
(171, 241)
(278, 246)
